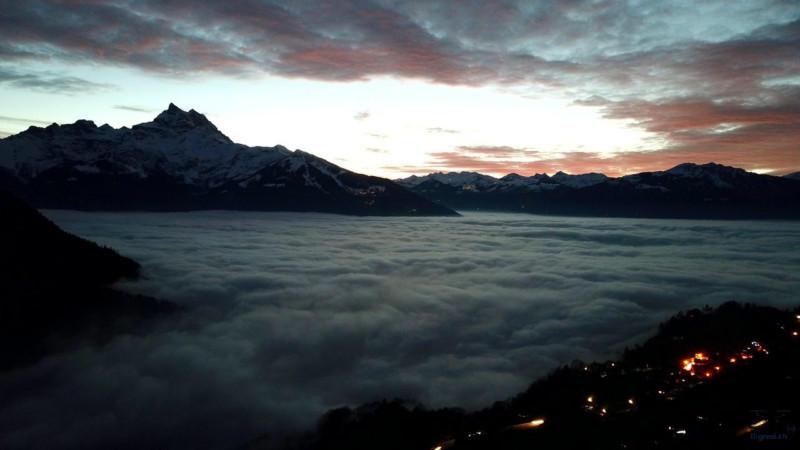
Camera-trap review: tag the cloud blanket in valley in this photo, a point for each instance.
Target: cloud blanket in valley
(293, 314)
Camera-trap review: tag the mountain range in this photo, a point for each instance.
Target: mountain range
(707, 191)
(181, 161)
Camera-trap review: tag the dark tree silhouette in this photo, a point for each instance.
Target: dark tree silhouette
(54, 286)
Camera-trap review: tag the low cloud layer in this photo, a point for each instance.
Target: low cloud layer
(294, 314)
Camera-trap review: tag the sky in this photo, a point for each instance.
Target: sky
(393, 88)
(290, 314)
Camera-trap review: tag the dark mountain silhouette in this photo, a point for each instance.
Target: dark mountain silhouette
(54, 288)
(708, 191)
(181, 161)
(723, 378)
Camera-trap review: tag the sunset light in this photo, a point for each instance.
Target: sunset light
(395, 89)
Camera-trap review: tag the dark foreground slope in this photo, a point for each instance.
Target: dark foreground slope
(54, 288)
(723, 378)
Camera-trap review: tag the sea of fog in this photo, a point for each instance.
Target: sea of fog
(293, 314)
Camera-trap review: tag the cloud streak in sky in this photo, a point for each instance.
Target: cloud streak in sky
(135, 109)
(677, 69)
(24, 120)
(50, 82)
(298, 313)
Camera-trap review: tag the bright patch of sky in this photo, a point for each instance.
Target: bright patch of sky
(398, 88)
(369, 127)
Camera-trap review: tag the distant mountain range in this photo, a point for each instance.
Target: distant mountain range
(181, 161)
(708, 191)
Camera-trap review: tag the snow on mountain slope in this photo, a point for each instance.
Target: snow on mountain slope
(184, 144)
(700, 176)
(579, 181)
(685, 191)
(479, 182)
(718, 174)
(468, 180)
(185, 157)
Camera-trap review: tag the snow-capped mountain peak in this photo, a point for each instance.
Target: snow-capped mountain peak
(700, 170)
(180, 160)
(515, 179)
(468, 180)
(685, 191)
(579, 181)
(719, 175)
(512, 181)
(178, 119)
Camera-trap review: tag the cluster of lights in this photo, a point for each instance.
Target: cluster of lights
(700, 359)
(590, 405)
